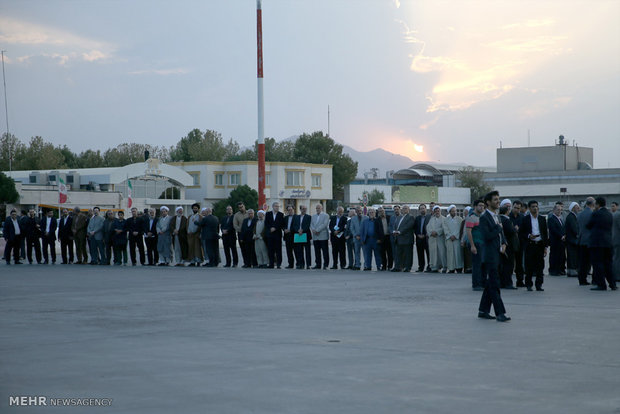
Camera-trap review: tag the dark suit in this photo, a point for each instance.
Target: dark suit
(49, 239)
(150, 239)
(229, 240)
(534, 250)
(519, 271)
(274, 239)
(557, 247)
(572, 244)
(339, 247)
(600, 226)
(136, 225)
(32, 233)
(246, 237)
(210, 236)
(13, 240)
(508, 260)
(65, 235)
(493, 237)
(289, 238)
(404, 242)
(421, 243)
(584, 244)
(371, 236)
(303, 223)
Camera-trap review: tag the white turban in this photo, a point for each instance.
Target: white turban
(467, 209)
(436, 207)
(260, 211)
(162, 208)
(203, 209)
(504, 202)
(572, 205)
(176, 210)
(451, 207)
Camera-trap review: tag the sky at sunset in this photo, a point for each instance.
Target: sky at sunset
(433, 80)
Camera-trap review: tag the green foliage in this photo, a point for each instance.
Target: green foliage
(10, 144)
(375, 197)
(8, 192)
(207, 146)
(90, 159)
(473, 178)
(243, 193)
(171, 193)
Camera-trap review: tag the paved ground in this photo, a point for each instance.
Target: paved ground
(189, 340)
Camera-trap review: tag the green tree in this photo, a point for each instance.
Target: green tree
(317, 148)
(243, 193)
(90, 159)
(171, 193)
(375, 197)
(70, 158)
(8, 192)
(473, 178)
(40, 155)
(207, 146)
(10, 144)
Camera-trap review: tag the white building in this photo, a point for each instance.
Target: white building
(289, 183)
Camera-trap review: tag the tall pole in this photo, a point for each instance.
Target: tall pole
(6, 112)
(261, 113)
(327, 120)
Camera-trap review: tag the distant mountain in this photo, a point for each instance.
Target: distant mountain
(377, 158)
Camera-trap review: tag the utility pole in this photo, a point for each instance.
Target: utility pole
(6, 112)
(261, 112)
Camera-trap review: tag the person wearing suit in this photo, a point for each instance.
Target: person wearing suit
(274, 222)
(348, 239)
(164, 238)
(210, 236)
(95, 236)
(150, 237)
(319, 226)
(303, 251)
(572, 240)
(584, 241)
(246, 239)
(616, 244)
(289, 236)
(31, 230)
(557, 242)
(108, 235)
(600, 226)
(387, 255)
(507, 260)
(229, 238)
(78, 228)
(534, 235)
(403, 232)
(421, 239)
(119, 239)
(355, 227)
(337, 227)
(371, 236)
(494, 244)
(65, 235)
(49, 224)
(516, 217)
(135, 229)
(12, 235)
(178, 231)
(393, 219)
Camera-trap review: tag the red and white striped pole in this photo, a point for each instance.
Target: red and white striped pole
(261, 113)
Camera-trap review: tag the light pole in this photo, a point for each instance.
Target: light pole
(261, 114)
(6, 112)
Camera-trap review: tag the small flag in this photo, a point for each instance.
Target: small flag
(62, 191)
(129, 192)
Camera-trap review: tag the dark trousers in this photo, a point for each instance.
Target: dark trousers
(477, 273)
(151, 250)
(49, 244)
(32, 242)
(303, 254)
(80, 247)
(108, 247)
(350, 254)
(321, 246)
(534, 263)
(248, 253)
(557, 257)
(120, 254)
(290, 248)
(66, 244)
(601, 266)
(421, 246)
(136, 242)
(572, 259)
(507, 264)
(274, 250)
(14, 246)
(97, 251)
(491, 294)
(584, 263)
(405, 256)
(371, 246)
(519, 271)
(387, 258)
(230, 249)
(211, 251)
(339, 251)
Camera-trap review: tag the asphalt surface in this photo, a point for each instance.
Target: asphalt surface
(198, 340)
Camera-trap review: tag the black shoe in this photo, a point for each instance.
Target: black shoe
(610, 287)
(324, 267)
(540, 289)
(289, 267)
(598, 288)
(529, 289)
(502, 318)
(395, 270)
(226, 265)
(509, 287)
(477, 288)
(308, 268)
(279, 267)
(420, 270)
(18, 262)
(334, 267)
(406, 270)
(485, 315)
(520, 284)
(584, 283)
(367, 269)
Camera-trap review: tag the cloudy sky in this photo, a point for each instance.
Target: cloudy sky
(434, 80)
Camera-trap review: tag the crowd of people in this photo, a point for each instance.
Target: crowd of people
(577, 240)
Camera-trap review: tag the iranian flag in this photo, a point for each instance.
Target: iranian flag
(62, 191)
(129, 191)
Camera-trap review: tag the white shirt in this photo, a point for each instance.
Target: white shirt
(535, 228)
(290, 221)
(48, 224)
(16, 225)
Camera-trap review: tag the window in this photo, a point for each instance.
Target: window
(219, 179)
(235, 179)
(33, 179)
(316, 180)
(196, 178)
(51, 178)
(69, 179)
(267, 179)
(294, 178)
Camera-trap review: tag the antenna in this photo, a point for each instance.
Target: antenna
(528, 138)
(328, 120)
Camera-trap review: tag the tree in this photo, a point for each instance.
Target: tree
(171, 193)
(90, 159)
(317, 148)
(242, 193)
(473, 178)
(375, 197)
(10, 144)
(207, 146)
(40, 155)
(8, 192)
